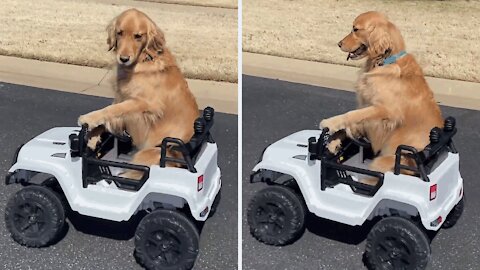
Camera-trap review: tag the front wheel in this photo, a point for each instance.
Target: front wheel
(35, 216)
(166, 240)
(455, 214)
(397, 243)
(276, 216)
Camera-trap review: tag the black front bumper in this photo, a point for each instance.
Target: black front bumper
(256, 177)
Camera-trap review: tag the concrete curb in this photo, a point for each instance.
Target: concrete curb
(170, 6)
(453, 93)
(98, 82)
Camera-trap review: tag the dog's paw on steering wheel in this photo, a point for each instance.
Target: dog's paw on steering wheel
(334, 146)
(333, 124)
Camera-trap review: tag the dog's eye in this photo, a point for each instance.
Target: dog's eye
(137, 36)
(355, 29)
(119, 33)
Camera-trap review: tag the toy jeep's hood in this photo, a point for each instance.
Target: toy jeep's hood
(294, 145)
(300, 137)
(56, 135)
(53, 143)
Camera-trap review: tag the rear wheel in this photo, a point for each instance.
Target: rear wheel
(397, 243)
(455, 214)
(166, 240)
(35, 216)
(276, 216)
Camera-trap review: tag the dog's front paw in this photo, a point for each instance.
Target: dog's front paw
(334, 146)
(94, 141)
(333, 124)
(90, 119)
(351, 132)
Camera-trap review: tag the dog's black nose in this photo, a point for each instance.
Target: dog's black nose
(340, 44)
(124, 59)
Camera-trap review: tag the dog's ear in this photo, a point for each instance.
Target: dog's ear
(155, 40)
(379, 41)
(112, 35)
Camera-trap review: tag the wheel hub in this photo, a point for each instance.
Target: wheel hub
(164, 246)
(29, 218)
(394, 252)
(272, 216)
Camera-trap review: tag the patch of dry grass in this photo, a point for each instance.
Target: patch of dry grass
(203, 3)
(443, 35)
(204, 42)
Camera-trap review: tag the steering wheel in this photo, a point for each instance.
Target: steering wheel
(106, 137)
(341, 134)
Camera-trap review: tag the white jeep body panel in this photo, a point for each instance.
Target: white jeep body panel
(401, 192)
(172, 187)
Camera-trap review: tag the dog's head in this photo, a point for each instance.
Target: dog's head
(133, 35)
(372, 36)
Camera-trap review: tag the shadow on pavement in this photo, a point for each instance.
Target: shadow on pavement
(332, 230)
(123, 230)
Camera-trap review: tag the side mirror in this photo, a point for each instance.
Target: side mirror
(74, 145)
(449, 123)
(312, 148)
(208, 113)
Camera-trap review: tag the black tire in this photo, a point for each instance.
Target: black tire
(276, 216)
(454, 215)
(35, 216)
(166, 240)
(397, 243)
(215, 204)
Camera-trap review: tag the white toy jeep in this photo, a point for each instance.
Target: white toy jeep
(304, 176)
(59, 172)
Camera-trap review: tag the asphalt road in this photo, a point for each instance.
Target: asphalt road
(273, 109)
(94, 243)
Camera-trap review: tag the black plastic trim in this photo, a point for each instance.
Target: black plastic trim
(190, 149)
(357, 187)
(411, 152)
(255, 177)
(180, 146)
(440, 140)
(121, 182)
(7, 178)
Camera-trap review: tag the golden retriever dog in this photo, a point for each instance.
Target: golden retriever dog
(152, 99)
(395, 103)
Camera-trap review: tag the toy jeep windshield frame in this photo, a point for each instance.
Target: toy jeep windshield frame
(95, 169)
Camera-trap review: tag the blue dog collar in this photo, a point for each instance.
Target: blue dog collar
(393, 58)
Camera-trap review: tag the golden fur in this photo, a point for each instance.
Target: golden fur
(152, 99)
(395, 104)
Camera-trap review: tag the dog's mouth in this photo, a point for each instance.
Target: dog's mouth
(358, 53)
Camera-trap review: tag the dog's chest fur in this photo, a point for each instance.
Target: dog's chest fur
(365, 93)
(370, 93)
